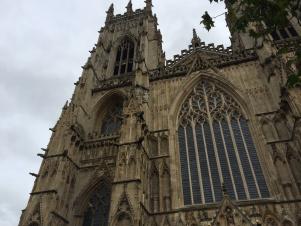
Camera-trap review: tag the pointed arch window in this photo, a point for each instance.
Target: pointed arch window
(125, 58)
(216, 147)
(112, 121)
(97, 213)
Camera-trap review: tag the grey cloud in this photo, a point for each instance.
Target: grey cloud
(42, 46)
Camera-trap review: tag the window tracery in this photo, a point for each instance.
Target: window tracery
(112, 120)
(216, 147)
(124, 58)
(97, 213)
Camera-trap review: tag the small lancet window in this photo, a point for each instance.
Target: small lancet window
(112, 120)
(124, 58)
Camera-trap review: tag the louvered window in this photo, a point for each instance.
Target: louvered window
(216, 147)
(125, 58)
(97, 213)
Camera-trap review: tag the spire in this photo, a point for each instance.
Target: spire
(110, 13)
(196, 41)
(129, 8)
(148, 6)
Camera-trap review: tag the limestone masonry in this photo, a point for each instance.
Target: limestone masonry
(211, 137)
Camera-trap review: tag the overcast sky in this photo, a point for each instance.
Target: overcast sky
(43, 44)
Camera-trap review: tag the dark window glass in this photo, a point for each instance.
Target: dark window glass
(292, 31)
(118, 54)
(97, 213)
(112, 121)
(122, 70)
(216, 149)
(283, 33)
(241, 193)
(244, 160)
(223, 160)
(275, 36)
(130, 67)
(184, 167)
(116, 70)
(124, 58)
(254, 159)
(203, 165)
(193, 167)
(213, 165)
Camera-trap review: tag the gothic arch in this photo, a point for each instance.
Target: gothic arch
(287, 222)
(115, 47)
(104, 105)
(126, 35)
(124, 212)
(268, 129)
(196, 77)
(132, 167)
(281, 127)
(165, 186)
(154, 188)
(216, 145)
(270, 220)
(123, 219)
(82, 200)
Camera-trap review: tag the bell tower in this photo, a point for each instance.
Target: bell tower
(94, 168)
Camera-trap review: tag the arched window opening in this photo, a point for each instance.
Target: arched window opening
(287, 223)
(34, 224)
(154, 190)
(124, 220)
(97, 213)
(125, 58)
(112, 121)
(216, 147)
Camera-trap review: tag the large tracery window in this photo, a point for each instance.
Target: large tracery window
(216, 147)
(124, 58)
(112, 120)
(97, 213)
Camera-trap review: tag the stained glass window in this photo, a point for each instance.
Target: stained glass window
(124, 58)
(97, 213)
(112, 120)
(216, 148)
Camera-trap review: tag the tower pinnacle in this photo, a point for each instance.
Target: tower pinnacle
(110, 13)
(129, 8)
(196, 41)
(148, 6)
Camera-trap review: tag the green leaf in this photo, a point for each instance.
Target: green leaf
(207, 21)
(293, 80)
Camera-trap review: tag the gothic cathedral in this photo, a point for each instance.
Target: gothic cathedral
(209, 138)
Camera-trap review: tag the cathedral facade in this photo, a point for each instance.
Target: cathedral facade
(212, 137)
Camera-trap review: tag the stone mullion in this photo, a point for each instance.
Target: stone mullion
(198, 163)
(250, 162)
(188, 163)
(210, 122)
(127, 58)
(228, 161)
(208, 165)
(120, 60)
(238, 158)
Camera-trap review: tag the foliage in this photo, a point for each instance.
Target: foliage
(259, 18)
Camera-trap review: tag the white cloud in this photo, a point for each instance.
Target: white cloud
(42, 45)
